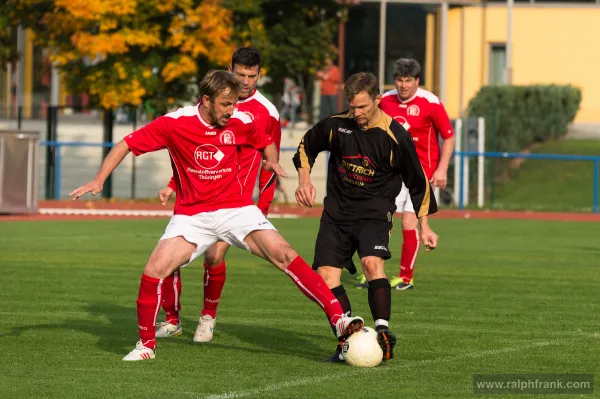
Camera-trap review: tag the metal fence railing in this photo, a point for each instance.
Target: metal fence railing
(56, 160)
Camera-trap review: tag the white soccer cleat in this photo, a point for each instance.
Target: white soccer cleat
(166, 330)
(206, 327)
(140, 353)
(347, 325)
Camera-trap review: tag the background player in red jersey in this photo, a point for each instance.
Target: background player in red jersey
(424, 117)
(245, 65)
(211, 204)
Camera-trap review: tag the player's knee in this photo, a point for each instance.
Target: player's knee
(156, 269)
(372, 267)
(286, 255)
(331, 279)
(213, 260)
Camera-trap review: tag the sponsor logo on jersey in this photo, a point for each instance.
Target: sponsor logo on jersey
(208, 156)
(227, 137)
(381, 247)
(343, 130)
(211, 133)
(402, 120)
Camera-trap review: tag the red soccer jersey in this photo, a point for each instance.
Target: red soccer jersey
(266, 118)
(424, 117)
(205, 159)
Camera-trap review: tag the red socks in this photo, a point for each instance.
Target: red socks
(410, 249)
(148, 305)
(314, 288)
(214, 280)
(171, 301)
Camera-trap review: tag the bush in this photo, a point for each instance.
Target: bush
(518, 116)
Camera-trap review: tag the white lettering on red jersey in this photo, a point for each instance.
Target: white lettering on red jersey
(424, 116)
(206, 160)
(266, 118)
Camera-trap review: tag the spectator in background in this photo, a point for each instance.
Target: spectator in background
(291, 102)
(331, 79)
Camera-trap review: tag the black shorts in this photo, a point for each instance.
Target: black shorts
(336, 244)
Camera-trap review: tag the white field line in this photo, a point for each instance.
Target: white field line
(357, 371)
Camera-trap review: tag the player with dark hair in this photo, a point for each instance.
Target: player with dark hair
(246, 66)
(204, 143)
(423, 115)
(371, 155)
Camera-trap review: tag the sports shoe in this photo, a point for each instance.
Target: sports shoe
(387, 341)
(140, 353)
(362, 281)
(337, 357)
(166, 330)
(394, 281)
(404, 286)
(347, 325)
(205, 329)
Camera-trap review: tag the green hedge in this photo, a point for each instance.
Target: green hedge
(517, 116)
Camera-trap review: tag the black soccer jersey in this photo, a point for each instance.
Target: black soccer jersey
(366, 168)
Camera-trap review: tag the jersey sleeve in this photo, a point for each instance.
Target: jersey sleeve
(258, 138)
(313, 142)
(441, 122)
(405, 158)
(149, 138)
(171, 184)
(273, 129)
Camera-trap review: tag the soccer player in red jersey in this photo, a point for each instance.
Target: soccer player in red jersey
(424, 116)
(246, 66)
(204, 142)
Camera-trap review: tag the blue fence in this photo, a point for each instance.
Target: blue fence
(559, 157)
(595, 159)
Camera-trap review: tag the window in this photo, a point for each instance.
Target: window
(497, 64)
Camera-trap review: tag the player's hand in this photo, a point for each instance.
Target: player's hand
(306, 195)
(165, 194)
(94, 187)
(439, 178)
(430, 239)
(274, 167)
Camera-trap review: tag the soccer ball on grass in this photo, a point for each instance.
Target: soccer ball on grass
(361, 349)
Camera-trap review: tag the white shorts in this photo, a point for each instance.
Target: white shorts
(206, 228)
(403, 201)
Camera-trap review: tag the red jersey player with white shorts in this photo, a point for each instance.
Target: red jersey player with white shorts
(204, 143)
(245, 65)
(422, 114)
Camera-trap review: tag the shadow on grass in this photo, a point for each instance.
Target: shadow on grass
(115, 328)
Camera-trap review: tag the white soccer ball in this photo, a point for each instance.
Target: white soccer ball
(361, 349)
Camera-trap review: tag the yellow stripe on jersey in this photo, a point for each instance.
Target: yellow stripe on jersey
(330, 137)
(346, 115)
(303, 157)
(424, 211)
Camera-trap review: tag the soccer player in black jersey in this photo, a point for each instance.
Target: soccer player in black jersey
(370, 156)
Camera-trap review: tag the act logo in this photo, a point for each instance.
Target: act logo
(208, 156)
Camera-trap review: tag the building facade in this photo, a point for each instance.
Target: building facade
(462, 45)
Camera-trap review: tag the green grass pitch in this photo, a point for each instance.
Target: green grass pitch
(497, 296)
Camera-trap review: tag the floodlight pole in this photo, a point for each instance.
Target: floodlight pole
(382, 30)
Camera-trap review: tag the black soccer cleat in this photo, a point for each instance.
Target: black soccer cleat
(387, 341)
(337, 357)
(404, 286)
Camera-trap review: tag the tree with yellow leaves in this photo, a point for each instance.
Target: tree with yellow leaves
(124, 51)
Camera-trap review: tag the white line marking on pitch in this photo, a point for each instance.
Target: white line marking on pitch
(346, 373)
